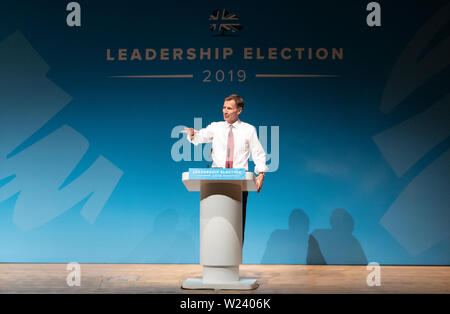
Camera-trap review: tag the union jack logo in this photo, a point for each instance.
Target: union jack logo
(223, 21)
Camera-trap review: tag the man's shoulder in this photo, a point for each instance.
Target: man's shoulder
(247, 126)
(216, 124)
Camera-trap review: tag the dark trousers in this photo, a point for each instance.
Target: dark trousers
(244, 210)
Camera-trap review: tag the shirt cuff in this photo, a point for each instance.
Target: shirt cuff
(259, 169)
(191, 140)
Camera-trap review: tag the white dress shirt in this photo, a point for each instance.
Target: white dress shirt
(245, 143)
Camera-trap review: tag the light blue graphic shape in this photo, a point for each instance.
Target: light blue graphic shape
(419, 217)
(410, 72)
(27, 98)
(27, 101)
(404, 144)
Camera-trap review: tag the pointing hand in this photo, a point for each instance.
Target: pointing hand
(189, 131)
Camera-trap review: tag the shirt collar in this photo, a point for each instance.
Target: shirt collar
(235, 124)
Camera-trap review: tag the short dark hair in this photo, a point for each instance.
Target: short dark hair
(237, 99)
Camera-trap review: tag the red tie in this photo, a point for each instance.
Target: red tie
(230, 149)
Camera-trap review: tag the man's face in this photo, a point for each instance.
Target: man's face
(231, 111)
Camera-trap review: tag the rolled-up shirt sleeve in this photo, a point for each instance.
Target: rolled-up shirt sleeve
(258, 153)
(205, 135)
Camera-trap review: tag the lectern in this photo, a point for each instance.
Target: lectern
(220, 226)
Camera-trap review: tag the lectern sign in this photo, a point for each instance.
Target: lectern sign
(216, 174)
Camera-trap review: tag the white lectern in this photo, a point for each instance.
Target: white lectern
(220, 232)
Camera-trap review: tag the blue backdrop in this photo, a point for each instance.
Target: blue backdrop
(357, 134)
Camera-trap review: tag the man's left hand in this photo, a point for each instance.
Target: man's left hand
(259, 182)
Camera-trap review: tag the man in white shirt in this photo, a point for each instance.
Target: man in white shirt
(232, 143)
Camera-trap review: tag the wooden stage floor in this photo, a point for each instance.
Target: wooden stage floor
(273, 279)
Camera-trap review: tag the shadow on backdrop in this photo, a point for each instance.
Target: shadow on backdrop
(164, 243)
(336, 245)
(289, 246)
